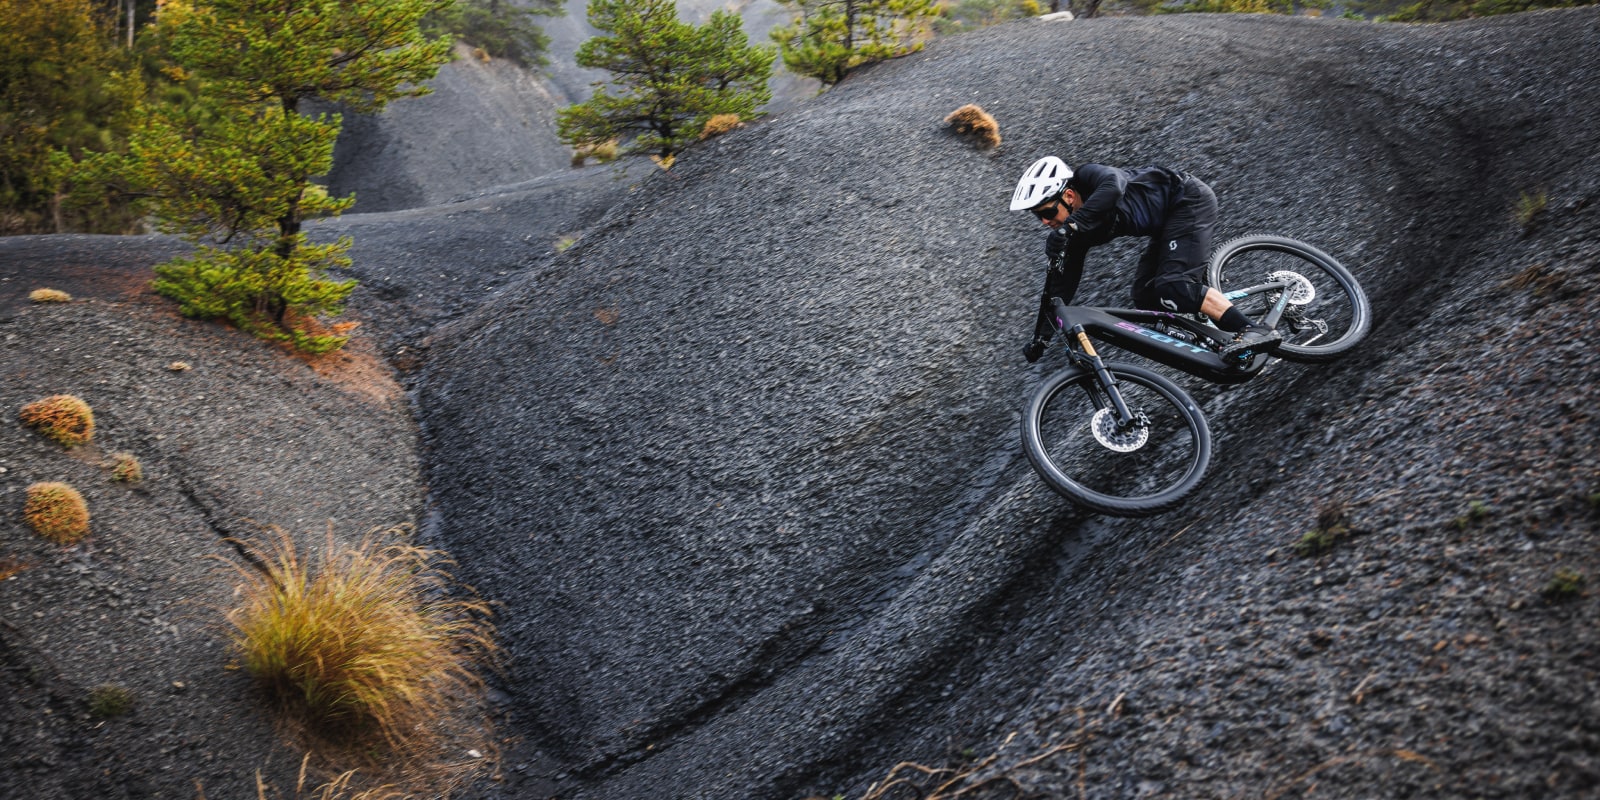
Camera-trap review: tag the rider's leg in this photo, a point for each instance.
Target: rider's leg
(1144, 293)
(1176, 260)
(1222, 312)
(1180, 278)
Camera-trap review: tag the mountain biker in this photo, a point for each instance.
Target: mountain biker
(1094, 204)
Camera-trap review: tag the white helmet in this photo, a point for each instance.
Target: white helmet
(1044, 180)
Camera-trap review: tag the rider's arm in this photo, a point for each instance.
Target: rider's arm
(1104, 186)
(1066, 255)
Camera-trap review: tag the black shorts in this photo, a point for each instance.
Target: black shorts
(1172, 273)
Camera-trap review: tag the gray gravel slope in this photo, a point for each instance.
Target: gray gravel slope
(742, 465)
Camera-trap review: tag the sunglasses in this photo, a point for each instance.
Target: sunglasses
(1047, 210)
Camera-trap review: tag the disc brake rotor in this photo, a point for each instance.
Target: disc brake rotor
(1125, 440)
(1301, 291)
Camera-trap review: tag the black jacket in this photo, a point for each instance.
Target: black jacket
(1116, 202)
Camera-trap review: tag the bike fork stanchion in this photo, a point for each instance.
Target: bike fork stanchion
(1107, 380)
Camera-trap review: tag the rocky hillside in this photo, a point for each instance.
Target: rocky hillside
(490, 121)
(743, 464)
(741, 468)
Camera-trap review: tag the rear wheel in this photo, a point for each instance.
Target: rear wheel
(1328, 313)
(1071, 434)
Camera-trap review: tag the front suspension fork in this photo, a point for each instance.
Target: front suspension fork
(1107, 380)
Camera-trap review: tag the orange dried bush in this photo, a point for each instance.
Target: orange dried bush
(57, 512)
(720, 124)
(972, 121)
(63, 418)
(49, 296)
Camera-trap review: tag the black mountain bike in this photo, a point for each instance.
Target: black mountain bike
(1125, 441)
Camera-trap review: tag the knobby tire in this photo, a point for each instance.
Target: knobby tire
(1340, 300)
(1152, 479)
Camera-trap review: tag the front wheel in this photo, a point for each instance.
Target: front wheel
(1327, 314)
(1073, 438)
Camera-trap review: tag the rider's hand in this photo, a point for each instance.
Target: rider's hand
(1034, 349)
(1055, 246)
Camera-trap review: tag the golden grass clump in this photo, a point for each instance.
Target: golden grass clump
(64, 418)
(49, 296)
(343, 786)
(603, 152)
(57, 512)
(972, 121)
(720, 124)
(125, 468)
(365, 645)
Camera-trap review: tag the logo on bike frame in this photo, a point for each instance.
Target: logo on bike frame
(1160, 337)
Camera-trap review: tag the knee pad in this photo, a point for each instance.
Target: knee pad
(1179, 296)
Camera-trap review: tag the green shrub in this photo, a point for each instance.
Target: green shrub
(1565, 585)
(57, 512)
(1332, 525)
(1444, 10)
(262, 291)
(498, 29)
(1314, 543)
(960, 16)
(62, 418)
(363, 643)
(1529, 207)
(110, 700)
(1476, 512)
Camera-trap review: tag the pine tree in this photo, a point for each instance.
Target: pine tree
(669, 77)
(831, 37)
(63, 85)
(234, 172)
(499, 28)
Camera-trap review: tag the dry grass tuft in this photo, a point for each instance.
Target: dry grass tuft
(1539, 278)
(57, 512)
(63, 418)
(973, 122)
(10, 567)
(340, 787)
(49, 296)
(366, 647)
(603, 152)
(986, 777)
(720, 124)
(125, 468)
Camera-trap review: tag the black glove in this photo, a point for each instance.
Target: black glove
(1055, 246)
(1034, 349)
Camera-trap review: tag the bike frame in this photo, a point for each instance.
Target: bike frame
(1131, 329)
